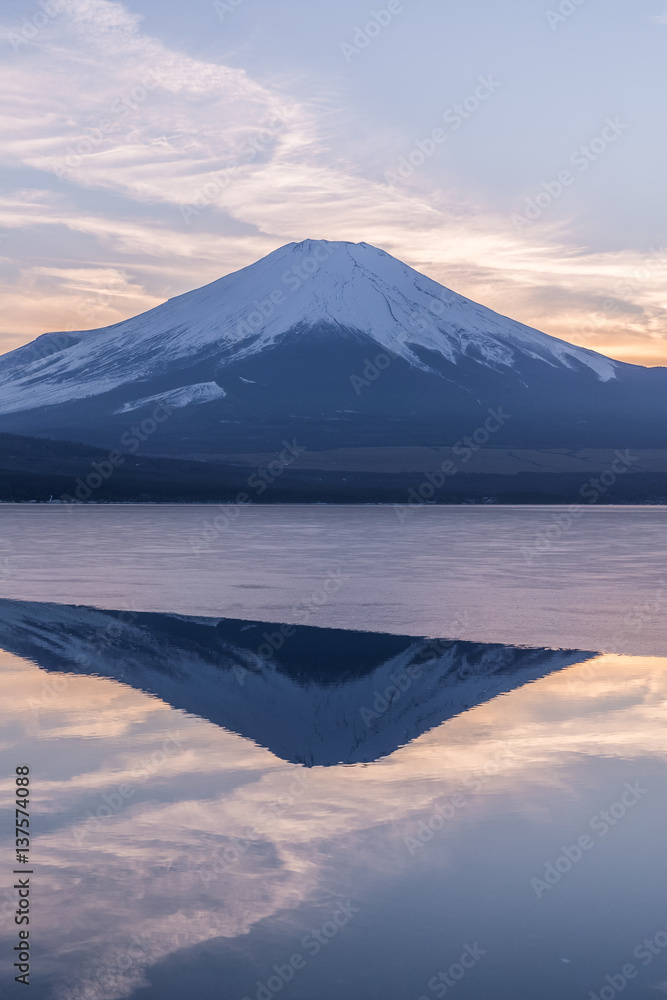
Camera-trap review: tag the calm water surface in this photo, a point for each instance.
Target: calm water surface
(228, 808)
(496, 574)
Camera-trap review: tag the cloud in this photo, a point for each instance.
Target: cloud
(115, 109)
(189, 149)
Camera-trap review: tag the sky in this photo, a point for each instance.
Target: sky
(514, 152)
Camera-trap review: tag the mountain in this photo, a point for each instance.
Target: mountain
(312, 696)
(329, 346)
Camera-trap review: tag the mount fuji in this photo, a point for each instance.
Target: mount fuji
(334, 346)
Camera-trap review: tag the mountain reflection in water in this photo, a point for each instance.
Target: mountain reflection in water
(193, 829)
(314, 696)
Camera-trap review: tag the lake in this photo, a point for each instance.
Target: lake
(532, 575)
(337, 752)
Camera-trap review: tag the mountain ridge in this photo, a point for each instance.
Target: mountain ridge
(337, 345)
(278, 285)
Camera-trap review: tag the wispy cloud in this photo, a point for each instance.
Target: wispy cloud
(210, 169)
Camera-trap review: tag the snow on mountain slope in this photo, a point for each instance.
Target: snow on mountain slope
(203, 392)
(354, 287)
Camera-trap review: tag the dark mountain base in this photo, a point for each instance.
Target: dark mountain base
(325, 392)
(36, 469)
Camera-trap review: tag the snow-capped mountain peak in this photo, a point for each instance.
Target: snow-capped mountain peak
(297, 288)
